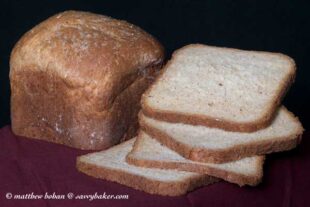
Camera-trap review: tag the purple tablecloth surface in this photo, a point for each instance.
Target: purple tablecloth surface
(31, 166)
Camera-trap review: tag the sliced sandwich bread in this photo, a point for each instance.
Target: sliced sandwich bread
(232, 89)
(148, 152)
(205, 144)
(111, 165)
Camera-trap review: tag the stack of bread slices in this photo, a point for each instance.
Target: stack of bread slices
(213, 113)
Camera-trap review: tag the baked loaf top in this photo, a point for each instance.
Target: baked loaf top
(88, 49)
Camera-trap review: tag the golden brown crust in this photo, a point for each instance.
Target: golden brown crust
(224, 155)
(77, 79)
(228, 125)
(75, 123)
(142, 183)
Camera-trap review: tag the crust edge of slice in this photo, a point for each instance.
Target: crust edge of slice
(225, 155)
(232, 177)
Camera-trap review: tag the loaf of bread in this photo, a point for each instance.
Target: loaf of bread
(76, 79)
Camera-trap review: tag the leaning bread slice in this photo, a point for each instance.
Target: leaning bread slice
(148, 152)
(214, 145)
(111, 165)
(232, 89)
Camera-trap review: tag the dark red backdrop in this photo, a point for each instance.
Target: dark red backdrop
(28, 165)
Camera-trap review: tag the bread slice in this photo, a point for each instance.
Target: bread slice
(148, 152)
(111, 165)
(232, 89)
(214, 145)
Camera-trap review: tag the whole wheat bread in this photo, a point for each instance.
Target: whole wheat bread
(148, 152)
(77, 79)
(232, 89)
(215, 145)
(111, 165)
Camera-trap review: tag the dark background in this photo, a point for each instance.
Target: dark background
(273, 25)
